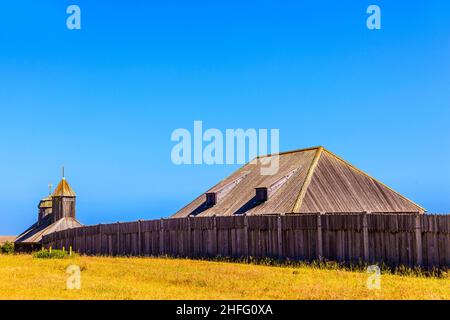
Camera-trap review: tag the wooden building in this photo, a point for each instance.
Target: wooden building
(57, 212)
(312, 180)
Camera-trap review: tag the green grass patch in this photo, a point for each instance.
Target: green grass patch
(7, 248)
(52, 254)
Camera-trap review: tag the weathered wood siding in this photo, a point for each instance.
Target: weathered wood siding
(394, 239)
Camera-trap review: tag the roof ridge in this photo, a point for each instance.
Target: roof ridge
(287, 152)
(308, 178)
(369, 176)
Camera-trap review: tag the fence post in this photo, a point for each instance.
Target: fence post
(365, 231)
(319, 236)
(100, 239)
(189, 236)
(216, 238)
(118, 237)
(161, 236)
(418, 233)
(139, 238)
(246, 246)
(85, 246)
(280, 238)
(66, 236)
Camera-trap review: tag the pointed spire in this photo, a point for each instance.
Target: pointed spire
(63, 189)
(50, 189)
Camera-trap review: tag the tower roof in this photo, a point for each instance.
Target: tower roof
(45, 203)
(63, 190)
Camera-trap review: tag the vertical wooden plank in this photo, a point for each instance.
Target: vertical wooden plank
(110, 245)
(232, 232)
(246, 236)
(118, 238)
(365, 231)
(139, 238)
(319, 253)
(189, 236)
(215, 243)
(99, 248)
(418, 234)
(85, 249)
(280, 238)
(161, 236)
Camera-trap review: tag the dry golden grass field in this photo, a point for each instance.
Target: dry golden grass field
(25, 277)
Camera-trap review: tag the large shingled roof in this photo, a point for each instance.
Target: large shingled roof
(308, 181)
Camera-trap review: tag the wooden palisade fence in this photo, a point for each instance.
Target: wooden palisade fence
(393, 239)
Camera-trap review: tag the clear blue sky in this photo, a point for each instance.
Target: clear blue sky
(105, 99)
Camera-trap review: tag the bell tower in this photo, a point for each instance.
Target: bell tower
(63, 200)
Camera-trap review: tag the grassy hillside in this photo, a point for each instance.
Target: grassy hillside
(25, 277)
(4, 239)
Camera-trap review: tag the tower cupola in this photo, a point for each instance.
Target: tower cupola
(63, 201)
